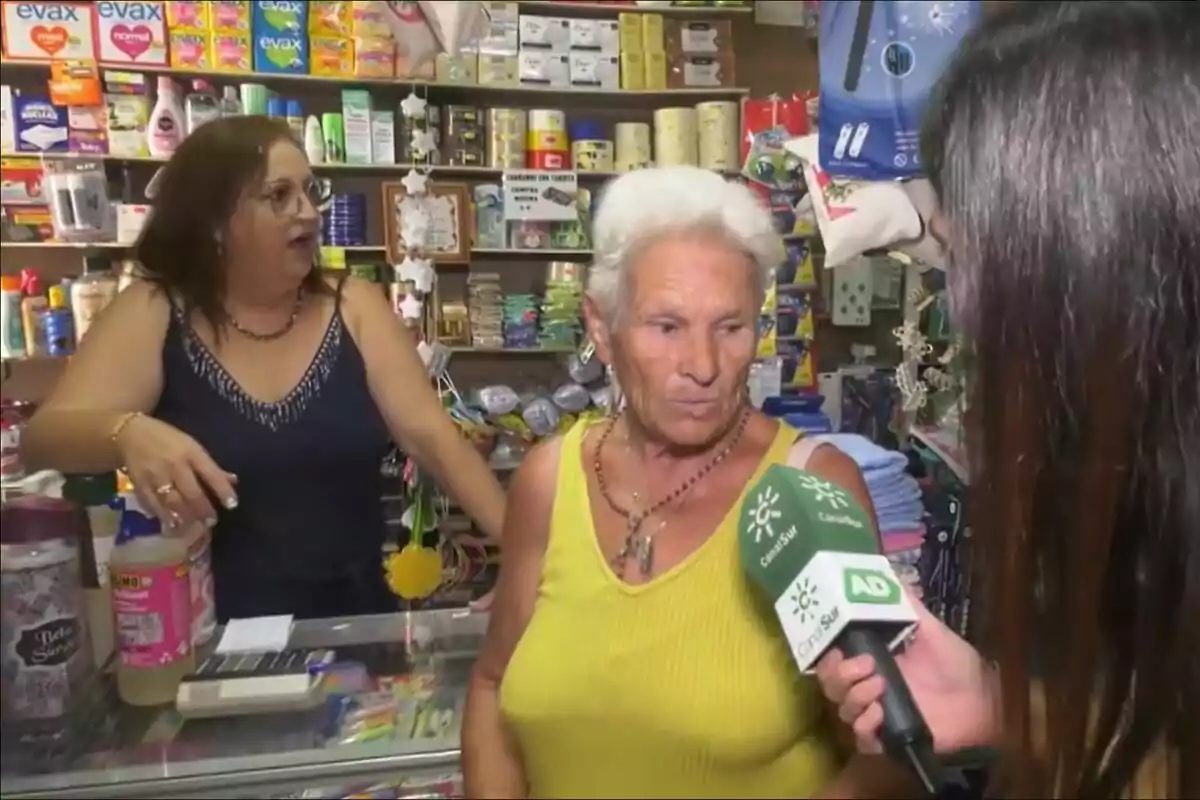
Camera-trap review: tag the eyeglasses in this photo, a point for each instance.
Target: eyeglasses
(287, 198)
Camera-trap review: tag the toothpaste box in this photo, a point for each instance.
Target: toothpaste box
(41, 126)
(131, 33)
(280, 54)
(279, 17)
(41, 31)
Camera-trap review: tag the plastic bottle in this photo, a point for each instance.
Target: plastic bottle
(92, 292)
(276, 108)
(231, 104)
(12, 330)
(295, 119)
(166, 127)
(152, 609)
(314, 140)
(201, 105)
(203, 593)
(33, 304)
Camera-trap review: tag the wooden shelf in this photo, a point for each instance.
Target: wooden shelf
(368, 248)
(572, 9)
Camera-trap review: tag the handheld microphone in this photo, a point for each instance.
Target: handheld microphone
(808, 544)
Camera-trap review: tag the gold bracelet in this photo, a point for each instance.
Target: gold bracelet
(121, 423)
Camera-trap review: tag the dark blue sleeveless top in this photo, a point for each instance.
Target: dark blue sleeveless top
(310, 516)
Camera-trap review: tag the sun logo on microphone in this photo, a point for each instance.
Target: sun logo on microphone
(825, 492)
(804, 601)
(763, 513)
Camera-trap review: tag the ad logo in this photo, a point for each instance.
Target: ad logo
(805, 603)
(871, 586)
(763, 513)
(824, 492)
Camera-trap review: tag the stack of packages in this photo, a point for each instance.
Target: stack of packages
(485, 303)
(520, 321)
(562, 306)
(344, 221)
(897, 500)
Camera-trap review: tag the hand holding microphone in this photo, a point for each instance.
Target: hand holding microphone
(950, 683)
(810, 546)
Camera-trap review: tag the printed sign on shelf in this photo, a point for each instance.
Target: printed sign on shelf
(540, 196)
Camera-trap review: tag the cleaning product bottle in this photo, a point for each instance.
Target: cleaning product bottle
(203, 593)
(201, 105)
(166, 127)
(33, 306)
(295, 120)
(314, 140)
(231, 104)
(152, 608)
(12, 330)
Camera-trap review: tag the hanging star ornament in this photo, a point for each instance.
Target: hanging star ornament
(413, 107)
(423, 143)
(418, 272)
(414, 183)
(411, 307)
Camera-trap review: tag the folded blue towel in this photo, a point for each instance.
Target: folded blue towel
(869, 456)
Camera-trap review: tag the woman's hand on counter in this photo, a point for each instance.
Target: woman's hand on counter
(175, 478)
(413, 411)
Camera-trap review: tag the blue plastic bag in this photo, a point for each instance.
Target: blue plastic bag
(879, 61)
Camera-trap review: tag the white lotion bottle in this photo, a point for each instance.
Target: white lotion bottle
(314, 140)
(166, 128)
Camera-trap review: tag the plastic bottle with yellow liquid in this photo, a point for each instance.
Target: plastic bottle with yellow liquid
(152, 608)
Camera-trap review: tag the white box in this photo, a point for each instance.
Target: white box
(598, 35)
(383, 137)
(545, 33)
(541, 68)
(499, 39)
(8, 125)
(501, 11)
(595, 71)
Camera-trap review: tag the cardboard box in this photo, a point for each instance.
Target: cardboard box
(698, 37)
(701, 72)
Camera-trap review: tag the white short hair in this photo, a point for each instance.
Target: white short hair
(641, 206)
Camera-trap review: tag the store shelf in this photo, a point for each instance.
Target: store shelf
(514, 351)
(601, 10)
(624, 98)
(499, 252)
(437, 170)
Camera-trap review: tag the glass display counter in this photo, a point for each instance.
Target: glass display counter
(421, 659)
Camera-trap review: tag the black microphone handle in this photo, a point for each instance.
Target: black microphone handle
(904, 735)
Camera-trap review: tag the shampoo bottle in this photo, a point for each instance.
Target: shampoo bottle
(231, 104)
(314, 141)
(201, 105)
(166, 128)
(294, 115)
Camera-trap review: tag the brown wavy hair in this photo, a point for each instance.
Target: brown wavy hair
(1064, 145)
(198, 191)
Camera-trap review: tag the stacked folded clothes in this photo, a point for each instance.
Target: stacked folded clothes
(896, 497)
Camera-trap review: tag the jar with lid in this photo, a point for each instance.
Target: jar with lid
(45, 656)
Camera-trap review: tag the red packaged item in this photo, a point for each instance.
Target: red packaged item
(763, 114)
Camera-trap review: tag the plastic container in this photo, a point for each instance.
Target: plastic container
(294, 114)
(12, 331)
(44, 651)
(152, 609)
(166, 128)
(32, 305)
(92, 292)
(231, 103)
(201, 105)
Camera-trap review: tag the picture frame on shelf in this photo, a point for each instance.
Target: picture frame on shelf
(449, 237)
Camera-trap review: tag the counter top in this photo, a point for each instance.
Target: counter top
(427, 655)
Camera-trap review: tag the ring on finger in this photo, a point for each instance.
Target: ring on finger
(165, 489)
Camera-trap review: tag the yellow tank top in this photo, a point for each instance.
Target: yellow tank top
(681, 687)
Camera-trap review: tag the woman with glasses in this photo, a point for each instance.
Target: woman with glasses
(243, 389)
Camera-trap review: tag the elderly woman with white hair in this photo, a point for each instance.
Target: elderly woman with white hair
(627, 655)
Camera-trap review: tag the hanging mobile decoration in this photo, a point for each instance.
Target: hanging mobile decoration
(415, 572)
(414, 277)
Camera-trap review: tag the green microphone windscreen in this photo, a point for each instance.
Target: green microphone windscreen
(809, 545)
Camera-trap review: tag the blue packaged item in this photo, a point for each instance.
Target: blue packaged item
(41, 125)
(281, 55)
(279, 18)
(878, 63)
(60, 331)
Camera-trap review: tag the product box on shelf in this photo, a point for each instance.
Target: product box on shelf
(699, 72)
(187, 16)
(280, 31)
(129, 33)
(544, 68)
(231, 51)
(41, 126)
(552, 34)
(41, 31)
(698, 37)
(595, 35)
(233, 16)
(595, 71)
(331, 56)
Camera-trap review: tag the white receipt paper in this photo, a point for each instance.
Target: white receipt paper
(256, 635)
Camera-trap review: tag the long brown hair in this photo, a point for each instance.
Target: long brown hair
(1064, 144)
(198, 191)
